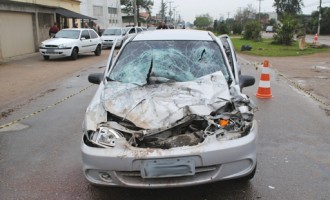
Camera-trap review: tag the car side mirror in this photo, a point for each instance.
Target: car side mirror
(246, 81)
(95, 78)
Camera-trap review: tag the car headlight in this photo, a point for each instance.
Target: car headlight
(105, 137)
(63, 46)
(42, 45)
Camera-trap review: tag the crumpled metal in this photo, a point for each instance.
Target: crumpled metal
(161, 105)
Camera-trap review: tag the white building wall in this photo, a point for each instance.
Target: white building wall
(99, 9)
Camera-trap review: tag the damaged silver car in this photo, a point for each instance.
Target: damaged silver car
(169, 112)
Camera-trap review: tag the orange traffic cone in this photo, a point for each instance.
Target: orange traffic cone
(264, 91)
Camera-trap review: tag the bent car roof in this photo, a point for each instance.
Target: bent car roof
(176, 34)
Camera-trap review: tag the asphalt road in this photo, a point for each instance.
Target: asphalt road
(40, 155)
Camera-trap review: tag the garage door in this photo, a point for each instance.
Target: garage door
(16, 36)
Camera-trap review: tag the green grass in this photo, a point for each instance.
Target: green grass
(265, 48)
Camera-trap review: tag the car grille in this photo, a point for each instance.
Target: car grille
(51, 46)
(108, 40)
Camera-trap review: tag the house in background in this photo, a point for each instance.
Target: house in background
(107, 12)
(27, 22)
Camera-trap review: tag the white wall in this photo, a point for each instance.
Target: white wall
(105, 20)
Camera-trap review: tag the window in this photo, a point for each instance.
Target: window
(97, 10)
(93, 34)
(85, 34)
(132, 31)
(139, 30)
(112, 10)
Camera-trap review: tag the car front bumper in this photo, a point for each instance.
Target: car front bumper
(55, 52)
(213, 160)
(110, 43)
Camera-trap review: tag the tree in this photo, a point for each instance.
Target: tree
(287, 7)
(162, 12)
(144, 4)
(203, 21)
(285, 31)
(245, 15)
(222, 28)
(325, 22)
(252, 31)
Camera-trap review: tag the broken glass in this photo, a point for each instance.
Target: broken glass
(147, 62)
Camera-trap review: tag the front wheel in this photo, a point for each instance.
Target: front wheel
(74, 53)
(46, 57)
(98, 50)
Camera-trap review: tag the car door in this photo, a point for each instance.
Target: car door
(231, 56)
(86, 42)
(95, 39)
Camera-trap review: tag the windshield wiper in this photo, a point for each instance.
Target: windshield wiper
(150, 70)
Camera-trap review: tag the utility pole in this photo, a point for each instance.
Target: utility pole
(259, 10)
(170, 12)
(135, 14)
(320, 17)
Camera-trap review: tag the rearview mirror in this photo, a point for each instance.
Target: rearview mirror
(95, 78)
(246, 81)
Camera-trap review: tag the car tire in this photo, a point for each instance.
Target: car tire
(98, 50)
(46, 57)
(74, 53)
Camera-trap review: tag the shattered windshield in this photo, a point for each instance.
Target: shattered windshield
(72, 34)
(112, 32)
(141, 62)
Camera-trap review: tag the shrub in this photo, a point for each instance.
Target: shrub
(237, 28)
(222, 28)
(285, 32)
(252, 31)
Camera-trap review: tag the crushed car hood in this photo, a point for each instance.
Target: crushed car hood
(162, 105)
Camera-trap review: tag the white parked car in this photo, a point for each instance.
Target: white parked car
(111, 34)
(71, 42)
(169, 112)
(130, 31)
(269, 29)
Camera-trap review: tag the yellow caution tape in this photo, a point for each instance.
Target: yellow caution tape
(44, 109)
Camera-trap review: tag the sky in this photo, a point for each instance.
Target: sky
(189, 9)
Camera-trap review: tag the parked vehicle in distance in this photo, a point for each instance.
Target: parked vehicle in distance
(151, 28)
(111, 34)
(132, 30)
(269, 29)
(71, 42)
(169, 112)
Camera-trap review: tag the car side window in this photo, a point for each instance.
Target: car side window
(139, 30)
(131, 31)
(228, 51)
(93, 34)
(85, 34)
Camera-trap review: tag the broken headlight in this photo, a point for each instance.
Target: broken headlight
(105, 137)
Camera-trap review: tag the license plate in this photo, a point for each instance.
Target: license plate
(50, 50)
(174, 167)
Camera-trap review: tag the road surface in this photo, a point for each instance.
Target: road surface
(40, 155)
